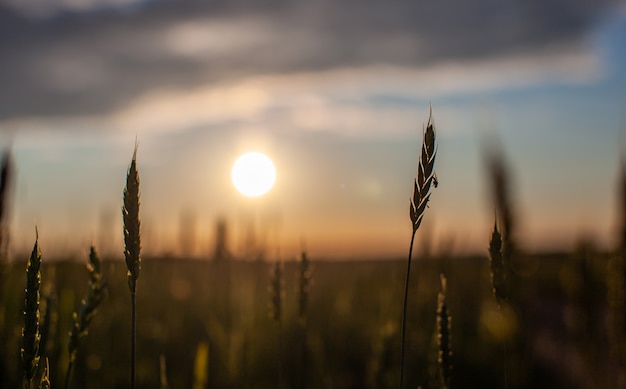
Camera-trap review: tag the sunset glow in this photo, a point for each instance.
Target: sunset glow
(253, 174)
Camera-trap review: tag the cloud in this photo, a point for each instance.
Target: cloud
(369, 100)
(82, 61)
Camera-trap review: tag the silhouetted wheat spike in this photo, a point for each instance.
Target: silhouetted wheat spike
(417, 208)
(498, 280)
(130, 214)
(5, 182)
(304, 286)
(30, 333)
(425, 175)
(500, 184)
(444, 324)
(132, 244)
(87, 310)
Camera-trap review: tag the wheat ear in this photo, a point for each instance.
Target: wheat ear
(30, 333)
(500, 187)
(417, 208)
(130, 215)
(498, 280)
(6, 173)
(132, 246)
(87, 310)
(304, 286)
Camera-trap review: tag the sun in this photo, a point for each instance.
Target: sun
(253, 174)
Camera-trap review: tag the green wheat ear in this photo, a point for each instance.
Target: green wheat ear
(30, 333)
(130, 215)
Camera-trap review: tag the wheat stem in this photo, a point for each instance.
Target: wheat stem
(276, 291)
(404, 309)
(443, 335)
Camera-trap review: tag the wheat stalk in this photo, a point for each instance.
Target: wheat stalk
(444, 325)
(87, 310)
(132, 246)
(303, 290)
(276, 293)
(417, 208)
(163, 372)
(276, 297)
(622, 254)
(501, 245)
(617, 284)
(30, 333)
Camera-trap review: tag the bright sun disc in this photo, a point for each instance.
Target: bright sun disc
(253, 174)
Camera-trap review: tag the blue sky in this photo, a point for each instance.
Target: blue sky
(336, 94)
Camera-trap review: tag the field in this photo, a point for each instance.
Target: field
(211, 323)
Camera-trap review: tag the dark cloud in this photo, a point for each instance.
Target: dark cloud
(98, 60)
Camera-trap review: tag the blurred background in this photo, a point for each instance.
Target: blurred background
(336, 94)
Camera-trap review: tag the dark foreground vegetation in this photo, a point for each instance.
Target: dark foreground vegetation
(204, 324)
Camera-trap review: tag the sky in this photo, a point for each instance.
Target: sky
(337, 94)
